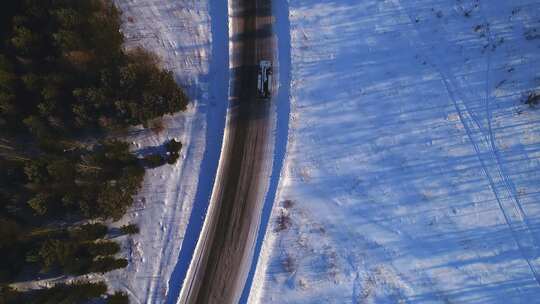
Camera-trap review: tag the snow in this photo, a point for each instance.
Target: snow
(412, 164)
(180, 33)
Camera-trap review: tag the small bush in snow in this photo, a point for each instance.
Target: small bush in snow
(173, 146)
(154, 160)
(118, 298)
(287, 204)
(129, 229)
(533, 99)
(107, 264)
(283, 222)
(289, 264)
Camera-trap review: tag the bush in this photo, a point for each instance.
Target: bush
(289, 264)
(533, 98)
(89, 232)
(36, 171)
(79, 292)
(53, 253)
(62, 170)
(173, 146)
(154, 160)
(12, 250)
(173, 157)
(9, 295)
(112, 202)
(64, 255)
(39, 203)
(129, 229)
(107, 264)
(103, 248)
(283, 222)
(118, 298)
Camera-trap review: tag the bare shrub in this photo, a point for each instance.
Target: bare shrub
(283, 222)
(287, 204)
(533, 98)
(289, 264)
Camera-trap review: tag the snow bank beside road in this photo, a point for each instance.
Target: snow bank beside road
(412, 168)
(179, 33)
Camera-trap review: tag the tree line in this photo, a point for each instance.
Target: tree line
(66, 83)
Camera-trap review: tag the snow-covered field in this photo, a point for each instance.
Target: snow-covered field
(179, 32)
(412, 171)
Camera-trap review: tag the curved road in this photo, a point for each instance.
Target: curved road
(224, 251)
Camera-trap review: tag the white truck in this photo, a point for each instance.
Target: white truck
(264, 79)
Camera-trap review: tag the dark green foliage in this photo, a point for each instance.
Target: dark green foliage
(173, 157)
(173, 146)
(10, 296)
(98, 183)
(112, 201)
(60, 254)
(65, 81)
(40, 203)
(9, 231)
(10, 249)
(103, 248)
(36, 171)
(79, 292)
(7, 90)
(95, 184)
(62, 170)
(106, 264)
(118, 298)
(146, 91)
(75, 293)
(74, 73)
(89, 232)
(154, 160)
(129, 229)
(75, 257)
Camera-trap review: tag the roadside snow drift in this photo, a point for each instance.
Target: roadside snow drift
(179, 33)
(412, 168)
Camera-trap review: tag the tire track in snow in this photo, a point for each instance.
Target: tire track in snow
(518, 237)
(487, 154)
(487, 137)
(509, 185)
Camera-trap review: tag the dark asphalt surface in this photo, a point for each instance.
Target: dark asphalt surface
(224, 251)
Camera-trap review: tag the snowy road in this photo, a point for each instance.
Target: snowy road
(224, 251)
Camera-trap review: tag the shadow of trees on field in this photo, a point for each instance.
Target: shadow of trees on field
(410, 155)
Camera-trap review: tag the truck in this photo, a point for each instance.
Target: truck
(264, 79)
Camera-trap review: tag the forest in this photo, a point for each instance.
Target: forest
(68, 88)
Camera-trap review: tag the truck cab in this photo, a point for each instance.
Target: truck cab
(264, 79)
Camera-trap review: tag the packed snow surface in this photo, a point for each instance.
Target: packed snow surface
(412, 171)
(179, 33)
